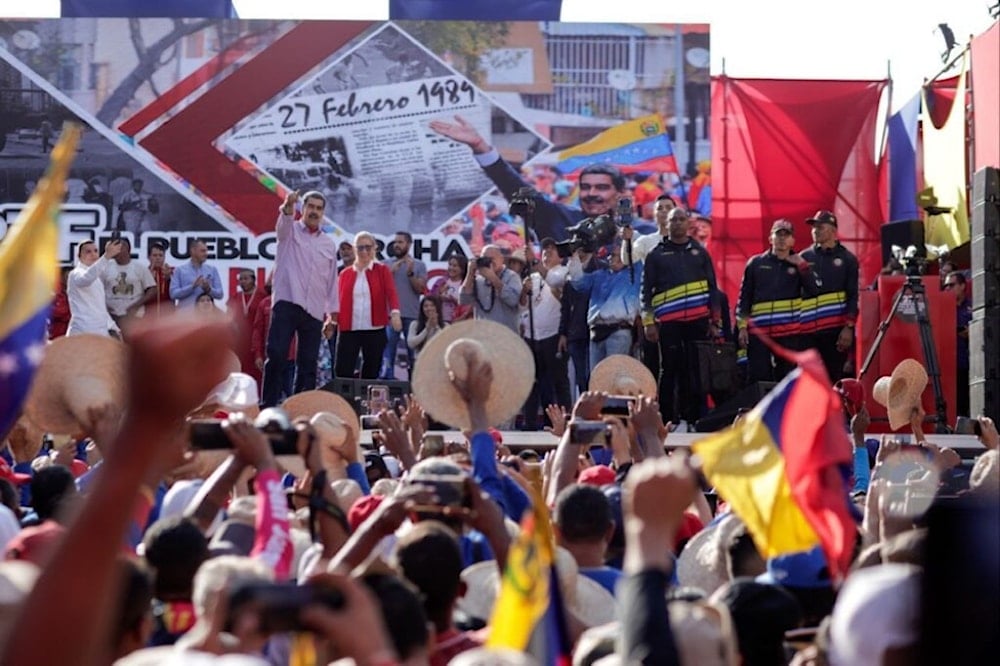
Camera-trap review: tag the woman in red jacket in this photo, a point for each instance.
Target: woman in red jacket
(368, 302)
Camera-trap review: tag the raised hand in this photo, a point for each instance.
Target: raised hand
(462, 132)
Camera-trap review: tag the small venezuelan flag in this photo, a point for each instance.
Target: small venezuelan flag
(633, 146)
(530, 601)
(784, 468)
(29, 268)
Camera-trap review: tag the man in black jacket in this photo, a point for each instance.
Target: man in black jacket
(827, 321)
(770, 297)
(680, 306)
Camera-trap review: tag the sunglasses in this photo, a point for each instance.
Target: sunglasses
(366, 248)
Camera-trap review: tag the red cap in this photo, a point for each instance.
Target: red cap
(14, 477)
(35, 544)
(496, 435)
(690, 525)
(598, 475)
(362, 508)
(852, 392)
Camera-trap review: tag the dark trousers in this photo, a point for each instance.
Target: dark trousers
(763, 366)
(962, 391)
(551, 380)
(579, 353)
(288, 320)
(650, 353)
(681, 396)
(825, 342)
(370, 344)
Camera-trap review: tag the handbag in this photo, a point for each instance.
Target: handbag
(716, 368)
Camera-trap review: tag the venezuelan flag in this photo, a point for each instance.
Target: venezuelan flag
(784, 468)
(529, 597)
(29, 268)
(632, 146)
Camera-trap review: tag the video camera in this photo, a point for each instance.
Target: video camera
(912, 260)
(522, 203)
(593, 232)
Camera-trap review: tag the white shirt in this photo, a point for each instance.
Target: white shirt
(85, 291)
(641, 246)
(546, 308)
(361, 313)
(125, 285)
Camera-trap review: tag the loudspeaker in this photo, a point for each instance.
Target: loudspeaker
(903, 233)
(723, 415)
(984, 363)
(985, 235)
(355, 391)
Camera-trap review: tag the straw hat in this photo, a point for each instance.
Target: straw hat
(900, 392)
(620, 374)
(590, 602)
(704, 561)
(310, 403)
(25, 439)
(449, 351)
(77, 373)
(331, 433)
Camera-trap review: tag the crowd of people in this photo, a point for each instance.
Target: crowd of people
(157, 549)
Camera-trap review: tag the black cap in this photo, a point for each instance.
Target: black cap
(823, 217)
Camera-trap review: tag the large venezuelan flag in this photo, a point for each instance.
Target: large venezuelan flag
(632, 146)
(530, 601)
(784, 469)
(29, 268)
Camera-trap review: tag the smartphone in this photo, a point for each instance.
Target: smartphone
(116, 235)
(966, 425)
(278, 604)
(207, 435)
(617, 405)
(370, 422)
(433, 444)
(587, 433)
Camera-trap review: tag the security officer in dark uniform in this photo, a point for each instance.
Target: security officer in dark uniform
(770, 297)
(680, 306)
(827, 320)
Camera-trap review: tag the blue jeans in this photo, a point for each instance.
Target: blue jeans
(389, 356)
(288, 320)
(619, 342)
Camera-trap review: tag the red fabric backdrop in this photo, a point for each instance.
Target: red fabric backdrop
(986, 98)
(787, 149)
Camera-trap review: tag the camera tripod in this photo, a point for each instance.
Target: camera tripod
(914, 288)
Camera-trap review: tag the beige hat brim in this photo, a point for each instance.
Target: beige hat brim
(702, 563)
(77, 373)
(900, 392)
(309, 403)
(508, 355)
(593, 605)
(620, 374)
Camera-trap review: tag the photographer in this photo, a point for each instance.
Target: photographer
(614, 303)
(410, 277)
(600, 184)
(493, 289)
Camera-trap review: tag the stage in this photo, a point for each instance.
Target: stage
(967, 446)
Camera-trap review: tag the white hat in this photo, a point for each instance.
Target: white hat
(900, 392)
(877, 609)
(591, 603)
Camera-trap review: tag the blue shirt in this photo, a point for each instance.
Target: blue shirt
(614, 296)
(182, 287)
(501, 488)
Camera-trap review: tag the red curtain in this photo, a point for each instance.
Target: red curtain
(787, 149)
(986, 98)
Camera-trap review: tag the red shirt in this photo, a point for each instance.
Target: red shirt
(449, 643)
